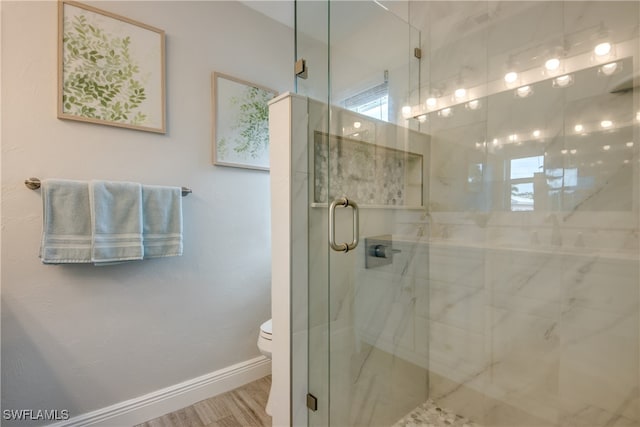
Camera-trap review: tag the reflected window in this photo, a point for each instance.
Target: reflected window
(521, 174)
(372, 102)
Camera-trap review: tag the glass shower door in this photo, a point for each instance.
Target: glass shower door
(367, 358)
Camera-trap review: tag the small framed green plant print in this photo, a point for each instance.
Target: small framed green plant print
(240, 122)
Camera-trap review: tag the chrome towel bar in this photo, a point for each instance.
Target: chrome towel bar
(34, 184)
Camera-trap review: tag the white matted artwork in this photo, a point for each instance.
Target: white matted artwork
(111, 69)
(240, 122)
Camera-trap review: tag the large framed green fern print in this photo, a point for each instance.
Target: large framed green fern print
(111, 69)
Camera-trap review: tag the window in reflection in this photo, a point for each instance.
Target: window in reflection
(521, 173)
(372, 102)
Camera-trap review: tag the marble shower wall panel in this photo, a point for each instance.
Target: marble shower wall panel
(454, 159)
(551, 305)
(524, 312)
(599, 338)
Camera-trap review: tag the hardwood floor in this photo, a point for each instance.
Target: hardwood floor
(242, 407)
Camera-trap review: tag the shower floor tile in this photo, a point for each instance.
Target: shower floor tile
(429, 414)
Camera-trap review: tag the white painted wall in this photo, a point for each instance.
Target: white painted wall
(80, 337)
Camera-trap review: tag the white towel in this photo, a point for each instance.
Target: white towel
(66, 231)
(116, 219)
(162, 219)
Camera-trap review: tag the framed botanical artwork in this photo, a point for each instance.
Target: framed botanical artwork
(111, 69)
(240, 122)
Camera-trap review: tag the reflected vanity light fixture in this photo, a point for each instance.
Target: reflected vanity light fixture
(564, 151)
(606, 147)
(473, 105)
(406, 111)
(357, 125)
(557, 67)
(563, 81)
(513, 137)
(573, 151)
(606, 124)
(629, 144)
(578, 128)
(536, 133)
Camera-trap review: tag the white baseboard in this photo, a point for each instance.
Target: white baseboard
(178, 396)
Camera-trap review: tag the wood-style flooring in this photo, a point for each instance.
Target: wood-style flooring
(242, 407)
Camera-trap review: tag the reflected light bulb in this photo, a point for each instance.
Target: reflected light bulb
(552, 64)
(564, 151)
(606, 124)
(511, 77)
(513, 137)
(602, 49)
(629, 144)
(495, 141)
(578, 128)
(460, 94)
(357, 125)
(445, 112)
(473, 105)
(609, 69)
(573, 151)
(626, 161)
(406, 111)
(606, 147)
(431, 103)
(563, 81)
(523, 91)
(536, 133)
(638, 116)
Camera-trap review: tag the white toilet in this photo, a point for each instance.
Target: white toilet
(264, 345)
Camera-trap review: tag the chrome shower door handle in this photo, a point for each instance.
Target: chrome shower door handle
(345, 203)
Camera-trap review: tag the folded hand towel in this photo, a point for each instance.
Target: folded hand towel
(162, 219)
(116, 219)
(66, 236)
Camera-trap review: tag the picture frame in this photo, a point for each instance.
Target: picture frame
(111, 69)
(240, 126)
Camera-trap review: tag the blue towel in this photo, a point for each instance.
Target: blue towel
(66, 231)
(116, 219)
(162, 219)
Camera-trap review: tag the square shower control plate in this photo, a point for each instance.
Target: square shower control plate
(378, 251)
